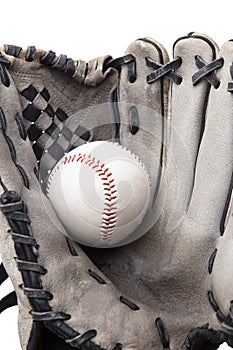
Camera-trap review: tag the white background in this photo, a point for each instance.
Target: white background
(86, 29)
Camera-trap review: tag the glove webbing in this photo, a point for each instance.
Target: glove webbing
(32, 113)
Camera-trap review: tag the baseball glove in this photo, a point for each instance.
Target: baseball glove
(167, 290)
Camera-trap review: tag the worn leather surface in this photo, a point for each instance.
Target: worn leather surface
(166, 273)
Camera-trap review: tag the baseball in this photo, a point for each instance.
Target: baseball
(101, 192)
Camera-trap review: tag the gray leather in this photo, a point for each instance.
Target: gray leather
(161, 291)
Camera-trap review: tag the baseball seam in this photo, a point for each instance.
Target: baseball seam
(109, 214)
(131, 153)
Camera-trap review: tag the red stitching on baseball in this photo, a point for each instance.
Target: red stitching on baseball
(109, 214)
(130, 152)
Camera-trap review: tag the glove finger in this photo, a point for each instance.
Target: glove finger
(221, 276)
(142, 98)
(210, 199)
(187, 108)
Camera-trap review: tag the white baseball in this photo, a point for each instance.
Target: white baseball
(101, 192)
